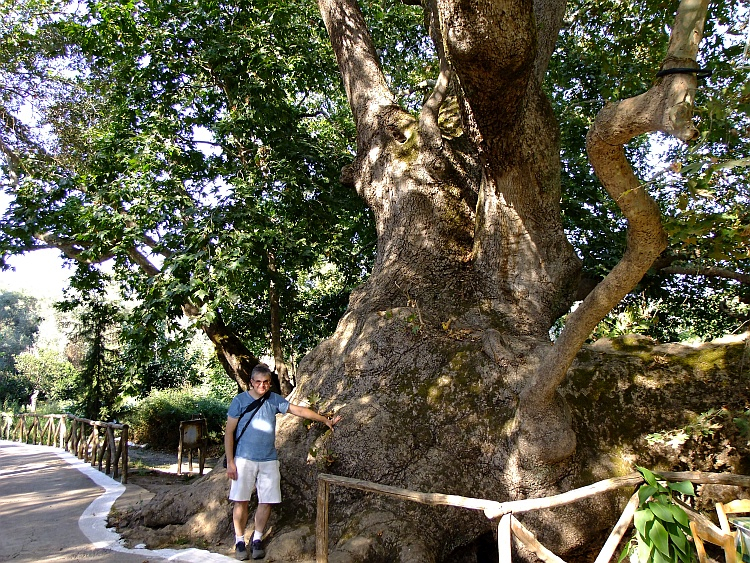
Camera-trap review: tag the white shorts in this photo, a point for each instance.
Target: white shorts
(261, 475)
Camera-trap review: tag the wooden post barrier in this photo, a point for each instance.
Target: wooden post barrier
(504, 511)
(618, 532)
(6, 430)
(103, 450)
(504, 539)
(321, 523)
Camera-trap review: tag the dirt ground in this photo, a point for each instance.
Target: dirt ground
(156, 470)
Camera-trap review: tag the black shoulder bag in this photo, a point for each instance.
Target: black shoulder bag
(254, 407)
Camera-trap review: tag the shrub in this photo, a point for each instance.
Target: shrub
(155, 419)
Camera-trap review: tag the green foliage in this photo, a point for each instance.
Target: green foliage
(26, 365)
(209, 139)
(49, 371)
(164, 361)
(15, 391)
(702, 425)
(213, 136)
(98, 383)
(629, 318)
(155, 420)
(662, 528)
(19, 323)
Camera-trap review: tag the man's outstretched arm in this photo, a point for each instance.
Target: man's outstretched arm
(310, 414)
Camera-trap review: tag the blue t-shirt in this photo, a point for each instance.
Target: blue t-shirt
(258, 443)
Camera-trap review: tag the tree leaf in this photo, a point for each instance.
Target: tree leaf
(645, 492)
(644, 550)
(679, 515)
(684, 487)
(659, 536)
(661, 511)
(649, 477)
(641, 518)
(660, 558)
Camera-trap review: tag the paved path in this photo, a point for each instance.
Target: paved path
(53, 507)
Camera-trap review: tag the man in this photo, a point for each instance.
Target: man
(254, 465)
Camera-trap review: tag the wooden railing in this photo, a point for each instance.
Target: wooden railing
(503, 512)
(90, 440)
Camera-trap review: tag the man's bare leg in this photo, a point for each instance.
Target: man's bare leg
(239, 517)
(261, 517)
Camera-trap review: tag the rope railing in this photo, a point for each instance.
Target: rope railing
(93, 441)
(503, 512)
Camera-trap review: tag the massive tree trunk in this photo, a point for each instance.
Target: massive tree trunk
(442, 365)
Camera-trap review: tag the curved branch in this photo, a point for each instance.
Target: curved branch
(549, 15)
(13, 163)
(142, 262)
(429, 131)
(75, 250)
(23, 134)
(665, 107)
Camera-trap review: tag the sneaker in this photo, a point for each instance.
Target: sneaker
(240, 551)
(258, 551)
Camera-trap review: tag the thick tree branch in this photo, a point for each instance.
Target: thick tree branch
(142, 262)
(232, 353)
(665, 107)
(13, 163)
(22, 132)
(430, 136)
(490, 39)
(549, 15)
(359, 64)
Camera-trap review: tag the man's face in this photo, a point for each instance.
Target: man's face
(261, 384)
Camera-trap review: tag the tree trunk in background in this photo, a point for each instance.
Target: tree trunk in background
(232, 353)
(280, 366)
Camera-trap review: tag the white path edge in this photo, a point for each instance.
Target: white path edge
(93, 521)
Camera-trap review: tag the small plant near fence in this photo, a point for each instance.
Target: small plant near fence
(662, 528)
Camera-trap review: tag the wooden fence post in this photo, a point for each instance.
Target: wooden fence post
(614, 539)
(111, 448)
(34, 432)
(124, 449)
(504, 548)
(321, 523)
(49, 429)
(73, 436)
(63, 430)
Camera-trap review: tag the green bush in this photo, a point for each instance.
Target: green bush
(155, 419)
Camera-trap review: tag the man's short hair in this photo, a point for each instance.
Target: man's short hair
(260, 369)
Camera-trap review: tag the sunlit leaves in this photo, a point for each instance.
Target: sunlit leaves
(204, 137)
(661, 526)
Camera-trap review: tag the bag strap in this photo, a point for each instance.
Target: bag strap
(255, 407)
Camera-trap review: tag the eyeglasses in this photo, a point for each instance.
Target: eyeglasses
(260, 382)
